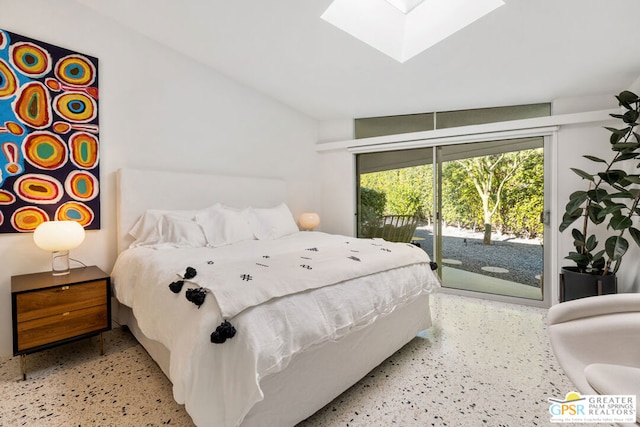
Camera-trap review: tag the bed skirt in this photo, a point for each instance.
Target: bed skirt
(317, 376)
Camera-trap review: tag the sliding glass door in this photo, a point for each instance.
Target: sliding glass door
(491, 202)
(479, 207)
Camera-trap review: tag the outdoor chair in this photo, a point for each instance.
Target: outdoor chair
(392, 228)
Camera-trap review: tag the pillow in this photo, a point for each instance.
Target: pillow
(149, 220)
(173, 231)
(223, 225)
(272, 223)
(181, 232)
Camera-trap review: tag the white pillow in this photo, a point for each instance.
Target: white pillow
(149, 220)
(173, 231)
(224, 225)
(272, 223)
(181, 232)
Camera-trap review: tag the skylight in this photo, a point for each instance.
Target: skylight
(404, 28)
(405, 6)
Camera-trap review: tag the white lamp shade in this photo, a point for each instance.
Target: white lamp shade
(309, 220)
(58, 235)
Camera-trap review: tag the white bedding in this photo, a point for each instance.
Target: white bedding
(268, 334)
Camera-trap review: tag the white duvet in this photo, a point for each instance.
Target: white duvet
(220, 383)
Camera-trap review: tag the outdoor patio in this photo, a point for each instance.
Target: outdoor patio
(512, 262)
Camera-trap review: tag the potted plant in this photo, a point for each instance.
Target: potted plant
(611, 199)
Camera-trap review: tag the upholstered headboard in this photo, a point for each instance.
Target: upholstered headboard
(139, 190)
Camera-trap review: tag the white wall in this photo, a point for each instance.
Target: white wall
(158, 110)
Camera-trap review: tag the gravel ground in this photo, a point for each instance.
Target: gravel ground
(522, 258)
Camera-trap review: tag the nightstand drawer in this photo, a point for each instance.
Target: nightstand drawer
(61, 326)
(61, 299)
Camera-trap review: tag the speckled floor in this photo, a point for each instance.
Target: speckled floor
(483, 363)
(73, 385)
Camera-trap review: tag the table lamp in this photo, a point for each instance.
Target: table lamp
(59, 237)
(309, 220)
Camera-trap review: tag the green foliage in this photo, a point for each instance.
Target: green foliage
(408, 191)
(461, 204)
(523, 198)
(372, 203)
(611, 198)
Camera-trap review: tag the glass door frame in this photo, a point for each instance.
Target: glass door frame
(550, 238)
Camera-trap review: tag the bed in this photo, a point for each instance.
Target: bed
(257, 357)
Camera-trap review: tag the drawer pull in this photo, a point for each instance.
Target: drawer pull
(66, 313)
(65, 288)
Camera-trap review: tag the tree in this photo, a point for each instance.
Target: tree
(489, 175)
(523, 198)
(460, 204)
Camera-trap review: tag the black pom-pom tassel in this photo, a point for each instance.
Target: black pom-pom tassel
(223, 332)
(433, 265)
(176, 286)
(190, 273)
(196, 295)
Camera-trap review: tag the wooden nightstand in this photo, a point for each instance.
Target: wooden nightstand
(50, 310)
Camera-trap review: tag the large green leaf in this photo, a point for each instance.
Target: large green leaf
(635, 234)
(595, 159)
(598, 256)
(612, 176)
(625, 156)
(569, 218)
(597, 195)
(611, 209)
(620, 222)
(576, 199)
(578, 236)
(617, 131)
(594, 214)
(621, 195)
(591, 243)
(624, 146)
(617, 135)
(580, 259)
(583, 174)
(598, 264)
(616, 247)
(626, 98)
(630, 117)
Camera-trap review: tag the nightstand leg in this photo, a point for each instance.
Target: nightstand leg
(23, 365)
(101, 345)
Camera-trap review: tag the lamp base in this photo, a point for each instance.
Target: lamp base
(60, 263)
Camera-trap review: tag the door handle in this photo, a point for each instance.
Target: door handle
(545, 217)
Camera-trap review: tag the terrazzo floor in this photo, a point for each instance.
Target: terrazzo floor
(483, 363)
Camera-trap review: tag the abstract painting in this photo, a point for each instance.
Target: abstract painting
(49, 139)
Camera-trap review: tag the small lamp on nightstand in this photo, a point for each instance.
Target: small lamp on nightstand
(309, 220)
(59, 237)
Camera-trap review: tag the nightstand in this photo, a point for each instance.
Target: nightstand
(50, 310)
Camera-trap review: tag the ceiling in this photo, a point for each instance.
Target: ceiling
(527, 51)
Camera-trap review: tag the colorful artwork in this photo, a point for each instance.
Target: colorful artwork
(49, 158)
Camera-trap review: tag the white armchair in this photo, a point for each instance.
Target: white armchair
(596, 341)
